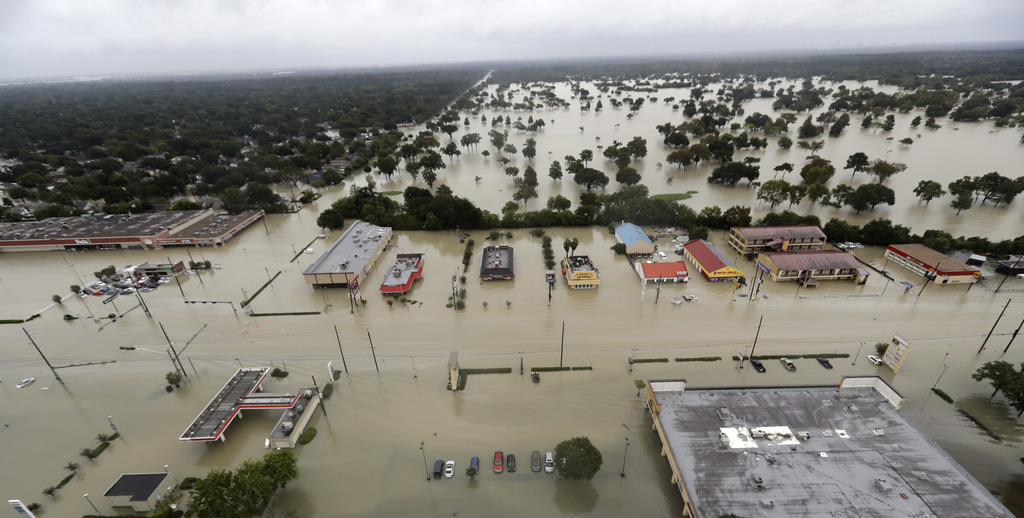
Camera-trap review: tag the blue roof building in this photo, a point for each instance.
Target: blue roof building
(636, 240)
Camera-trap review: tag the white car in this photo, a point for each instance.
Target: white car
(24, 382)
(874, 359)
(549, 462)
(449, 469)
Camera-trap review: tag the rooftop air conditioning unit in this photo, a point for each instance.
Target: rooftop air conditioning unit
(287, 426)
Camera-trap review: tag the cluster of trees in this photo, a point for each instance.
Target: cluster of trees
(136, 145)
(422, 210)
(1005, 378)
(246, 491)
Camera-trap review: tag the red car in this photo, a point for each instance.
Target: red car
(499, 462)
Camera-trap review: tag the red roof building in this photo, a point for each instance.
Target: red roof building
(710, 262)
(662, 272)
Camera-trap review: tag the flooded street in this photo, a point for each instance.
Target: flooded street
(366, 459)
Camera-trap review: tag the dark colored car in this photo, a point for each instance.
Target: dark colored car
(825, 363)
(535, 376)
(438, 468)
(535, 461)
(758, 366)
(510, 463)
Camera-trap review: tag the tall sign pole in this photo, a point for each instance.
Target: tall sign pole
(340, 349)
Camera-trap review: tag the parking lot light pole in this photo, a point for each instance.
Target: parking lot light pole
(624, 452)
(425, 468)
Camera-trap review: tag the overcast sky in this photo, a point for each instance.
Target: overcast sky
(47, 38)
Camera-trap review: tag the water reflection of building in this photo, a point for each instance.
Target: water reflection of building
(710, 262)
(812, 266)
(350, 258)
(783, 239)
(932, 264)
(401, 275)
(497, 263)
(580, 273)
(807, 451)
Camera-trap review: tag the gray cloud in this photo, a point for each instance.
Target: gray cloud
(45, 38)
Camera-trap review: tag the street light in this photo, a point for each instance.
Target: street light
(425, 468)
(413, 366)
(858, 354)
(110, 419)
(624, 452)
(90, 503)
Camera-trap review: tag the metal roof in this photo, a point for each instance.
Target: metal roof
(814, 260)
(790, 232)
(629, 233)
(709, 257)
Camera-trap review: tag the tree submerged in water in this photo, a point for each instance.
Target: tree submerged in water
(577, 458)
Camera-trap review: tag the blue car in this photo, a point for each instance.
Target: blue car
(475, 464)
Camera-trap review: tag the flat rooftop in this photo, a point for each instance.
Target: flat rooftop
(580, 263)
(137, 486)
(351, 252)
(188, 224)
(405, 266)
(497, 260)
(810, 451)
(240, 392)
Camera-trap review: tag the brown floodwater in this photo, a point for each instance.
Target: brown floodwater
(366, 460)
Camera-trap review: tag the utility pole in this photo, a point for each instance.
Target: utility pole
(176, 278)
(374, 353)
(561, 352)
(55, 375)
(318, 395)
(1015, 331)
(176, 360)
(142, 302)
(982, 348)
(758, 333)
(935, 273)
(340, 349)
(1008, 270)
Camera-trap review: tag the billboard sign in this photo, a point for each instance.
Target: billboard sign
(896, 352)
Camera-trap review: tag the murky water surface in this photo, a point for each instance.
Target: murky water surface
(366, 460)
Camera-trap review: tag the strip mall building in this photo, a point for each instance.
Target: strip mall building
(931, 264)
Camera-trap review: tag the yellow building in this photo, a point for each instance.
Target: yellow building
(580, 272)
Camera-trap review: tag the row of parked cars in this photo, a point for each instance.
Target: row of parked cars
(501, 463)
(790, 366)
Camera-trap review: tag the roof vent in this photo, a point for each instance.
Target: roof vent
(804, 436)
(852, 408)
(724, 414)
(757, 481)
(883, 485)
(768, 504)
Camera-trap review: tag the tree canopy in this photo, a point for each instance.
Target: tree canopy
(245, 491)
(577, 458)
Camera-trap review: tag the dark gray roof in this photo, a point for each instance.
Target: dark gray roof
(139, 486)
(860, 456)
